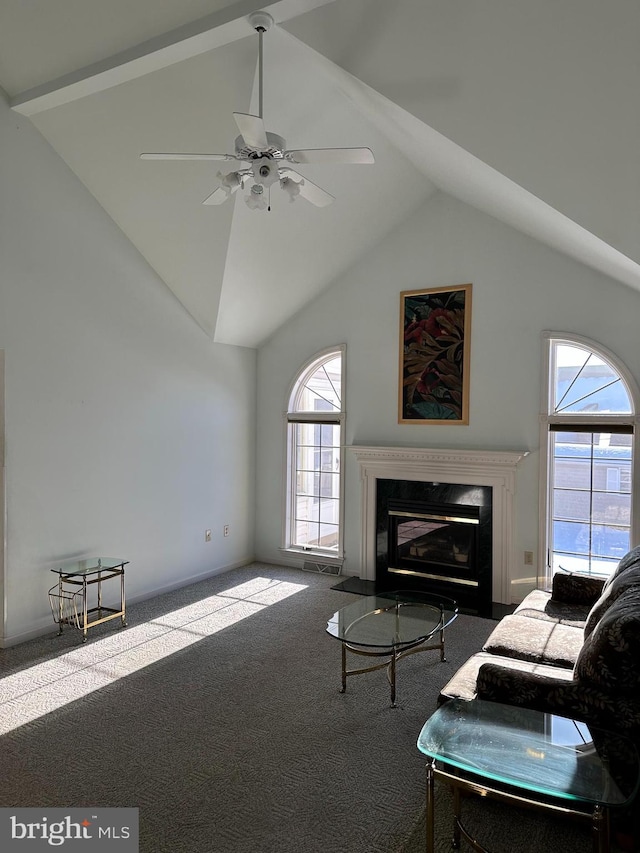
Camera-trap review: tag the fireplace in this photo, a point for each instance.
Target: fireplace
(437, 538)
(433, 541)
(459, 471)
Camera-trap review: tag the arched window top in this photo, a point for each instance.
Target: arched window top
(585, 380)
(318, 387)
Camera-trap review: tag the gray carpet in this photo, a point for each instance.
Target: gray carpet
(217, 714)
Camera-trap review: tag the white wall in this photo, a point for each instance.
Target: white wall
(128, 432)
(520, 288)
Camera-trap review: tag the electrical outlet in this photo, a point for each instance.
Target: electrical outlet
(225, 530)
(207, 536)
(528, 558)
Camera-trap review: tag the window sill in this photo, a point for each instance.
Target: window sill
(329, 557)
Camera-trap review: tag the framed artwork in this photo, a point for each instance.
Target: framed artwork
(435, 335)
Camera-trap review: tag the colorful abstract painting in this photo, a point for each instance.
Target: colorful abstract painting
(435, 330)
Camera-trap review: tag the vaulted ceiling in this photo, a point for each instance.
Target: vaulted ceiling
(527, 111)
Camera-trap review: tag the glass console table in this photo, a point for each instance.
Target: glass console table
(69, 597)
(528, 757)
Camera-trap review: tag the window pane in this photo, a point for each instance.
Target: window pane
(571, 505)
(305, 434)
(573, 474)
(329, 510)
(328, 435)
(307, 508)
(607, 541)
(328, 536)
(586, 383)
(329, 485)
(322, 390)
(306, 532)
(610, 508)
(570, 537)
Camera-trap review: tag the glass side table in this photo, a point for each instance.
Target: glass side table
(68, 598)
(522, 756)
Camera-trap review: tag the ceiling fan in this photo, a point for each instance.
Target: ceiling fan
(261, 158)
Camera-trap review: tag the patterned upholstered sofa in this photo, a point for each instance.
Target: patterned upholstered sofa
(573, 651)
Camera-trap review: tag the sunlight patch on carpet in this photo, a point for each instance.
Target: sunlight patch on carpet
(37, 690)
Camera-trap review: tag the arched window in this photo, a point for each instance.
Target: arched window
(315, 417)
(589, 427)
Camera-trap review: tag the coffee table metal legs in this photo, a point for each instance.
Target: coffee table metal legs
(389, 663)
(601, 830)
(392, 658)
(600, 817)
(391, 675)
(430, 806)
(457, 825)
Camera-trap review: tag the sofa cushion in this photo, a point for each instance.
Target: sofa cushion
(615, 586)
(537, 640)
(610, 655)
(539, 604)
(463, 684)
(576, 588)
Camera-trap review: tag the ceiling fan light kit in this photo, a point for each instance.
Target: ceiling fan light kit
(256, 200)
(262, 158)
(291, 187)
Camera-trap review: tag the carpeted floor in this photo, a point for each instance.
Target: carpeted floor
(217, 714)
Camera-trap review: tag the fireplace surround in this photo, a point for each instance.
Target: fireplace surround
(493, 470)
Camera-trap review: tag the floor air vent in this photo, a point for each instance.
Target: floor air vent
(322, 568)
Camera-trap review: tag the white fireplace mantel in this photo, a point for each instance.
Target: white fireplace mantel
(469, 467)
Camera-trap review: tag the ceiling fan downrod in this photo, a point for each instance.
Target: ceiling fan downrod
(261, 22)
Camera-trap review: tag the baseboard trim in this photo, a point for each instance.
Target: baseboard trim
(186, 581)
(46, 626)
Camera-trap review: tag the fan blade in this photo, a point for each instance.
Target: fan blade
(252, 130)
(330, 155)
(227, 157)
(220, 195)
(308, 190)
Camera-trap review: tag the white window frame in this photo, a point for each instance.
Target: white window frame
(326, 555)
(547, 419)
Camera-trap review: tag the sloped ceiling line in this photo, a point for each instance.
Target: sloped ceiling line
(460, 174)
(220, 28)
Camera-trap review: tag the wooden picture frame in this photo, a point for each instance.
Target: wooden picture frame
(435, 336)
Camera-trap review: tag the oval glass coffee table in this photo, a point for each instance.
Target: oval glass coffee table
(391, 625)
